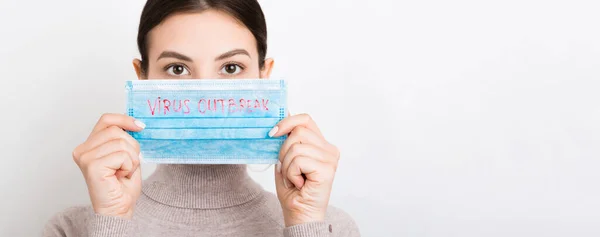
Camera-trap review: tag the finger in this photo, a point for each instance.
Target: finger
(133, 179)
(279, 185)
(118, 163)
(305, 150)
(112, 147)
(281, 182)
(304, 169)
(287, 124)
(106, 135)
(309, 150)
(128, 174)
(301, 135)
(120, 120)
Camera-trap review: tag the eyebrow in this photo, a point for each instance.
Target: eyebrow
(232, 53)
(171, 54)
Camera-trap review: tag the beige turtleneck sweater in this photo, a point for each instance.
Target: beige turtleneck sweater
(199, 200)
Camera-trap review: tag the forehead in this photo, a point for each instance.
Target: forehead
(200, 35)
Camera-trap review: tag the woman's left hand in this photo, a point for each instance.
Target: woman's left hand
(304, 176)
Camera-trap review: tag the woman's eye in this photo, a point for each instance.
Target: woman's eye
(231, 69)
(177, 70)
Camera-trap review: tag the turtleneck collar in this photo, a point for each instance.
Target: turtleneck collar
(201, 186)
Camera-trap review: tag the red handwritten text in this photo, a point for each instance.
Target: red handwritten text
(207, 105)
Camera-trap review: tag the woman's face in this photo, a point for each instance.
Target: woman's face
(207, 45)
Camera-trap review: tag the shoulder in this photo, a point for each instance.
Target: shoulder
(341, 222)
(69, 222)
(73, 215)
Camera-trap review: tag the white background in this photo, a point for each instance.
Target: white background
(455, 118)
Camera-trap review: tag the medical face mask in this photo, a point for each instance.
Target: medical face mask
(208, 121)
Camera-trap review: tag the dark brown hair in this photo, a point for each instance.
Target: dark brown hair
(247, 12)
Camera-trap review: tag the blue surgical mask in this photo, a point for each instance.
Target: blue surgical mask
(208, 121)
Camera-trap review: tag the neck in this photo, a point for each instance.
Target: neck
(201, 186)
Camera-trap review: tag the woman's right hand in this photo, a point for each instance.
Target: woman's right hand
(109, 160)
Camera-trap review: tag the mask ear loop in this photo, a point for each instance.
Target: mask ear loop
(259, 167)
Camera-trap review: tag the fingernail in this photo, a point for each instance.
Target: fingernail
(139, 124)
(273, 131)
(278, 167)
(285, 183)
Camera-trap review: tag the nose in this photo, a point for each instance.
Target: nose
(206, 72)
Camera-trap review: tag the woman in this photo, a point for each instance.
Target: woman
(187, 39)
